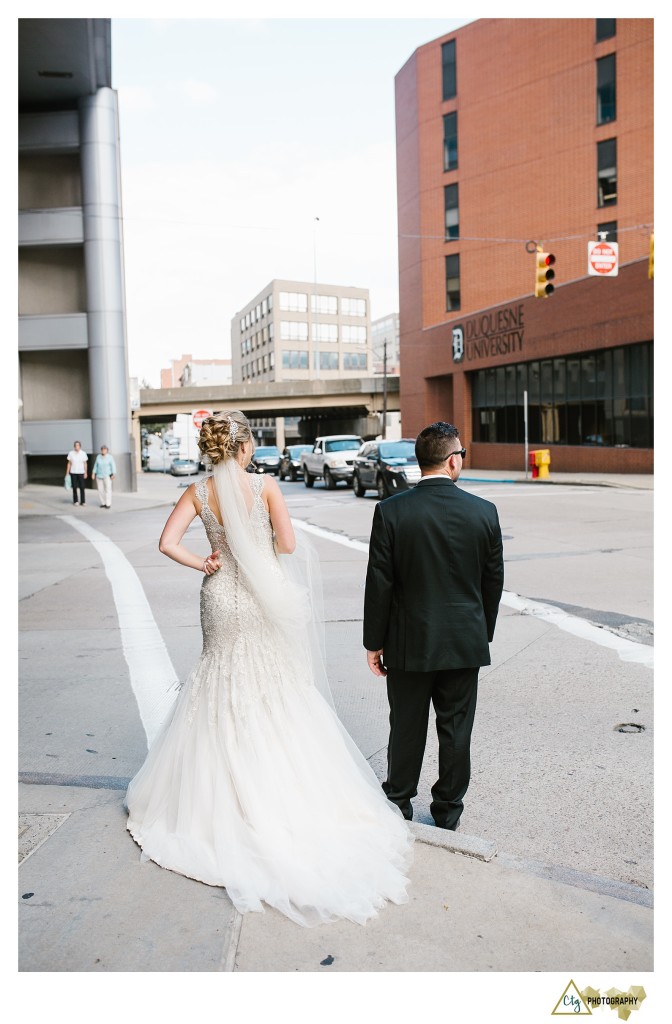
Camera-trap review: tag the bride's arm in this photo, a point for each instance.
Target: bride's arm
(285, 541)
(170, 542)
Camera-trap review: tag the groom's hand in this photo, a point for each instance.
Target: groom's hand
(375, 660)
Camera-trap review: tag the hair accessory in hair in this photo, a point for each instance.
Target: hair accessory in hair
(233, 429)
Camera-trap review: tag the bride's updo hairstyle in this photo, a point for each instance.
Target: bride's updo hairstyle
(222, 435)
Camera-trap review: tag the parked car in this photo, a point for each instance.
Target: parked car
(332, 458)
(267, 459)
(184, 467)
(387, 466)
(290, 463)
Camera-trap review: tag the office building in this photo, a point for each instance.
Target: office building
(189, 372)
(517, 137)
(73, 372)
(293, 330)
(385, 345)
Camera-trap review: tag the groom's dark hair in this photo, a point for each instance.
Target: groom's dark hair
(435, 443)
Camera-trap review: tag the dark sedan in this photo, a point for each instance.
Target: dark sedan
(386, 467)
(267, 459)
(290, 463)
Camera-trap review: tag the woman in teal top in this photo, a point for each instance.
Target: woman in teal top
(103, 473)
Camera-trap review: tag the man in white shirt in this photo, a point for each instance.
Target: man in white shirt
(76, 467)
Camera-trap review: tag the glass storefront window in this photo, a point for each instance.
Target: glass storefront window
(602, 398)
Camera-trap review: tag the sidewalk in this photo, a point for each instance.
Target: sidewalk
(470, 909)
(88, 904)
(162, 488)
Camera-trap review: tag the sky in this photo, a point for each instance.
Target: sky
(253, 149)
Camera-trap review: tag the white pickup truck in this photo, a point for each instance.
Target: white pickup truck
(332, 459)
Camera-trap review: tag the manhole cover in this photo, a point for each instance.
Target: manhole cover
(628, 727)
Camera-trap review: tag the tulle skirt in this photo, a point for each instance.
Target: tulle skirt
(253, 784)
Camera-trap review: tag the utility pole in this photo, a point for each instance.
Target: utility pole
(384, 388)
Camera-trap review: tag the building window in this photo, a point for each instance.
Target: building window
(605, 28)
(450, 141)
(294, 360)
(325, 332)
(602, 398)
(609, 229)
(325, 360)
(324, 304)
(452, 282)
(449, 70)
(606, 173)
(353, 335)
(294, 302)
(606, 88)
(451, 211)
(353, 307)
(354, 361)
(294, 330)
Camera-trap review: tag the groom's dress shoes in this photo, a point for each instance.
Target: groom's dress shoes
(450, 828)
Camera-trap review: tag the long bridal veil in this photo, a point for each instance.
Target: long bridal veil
(292, 598)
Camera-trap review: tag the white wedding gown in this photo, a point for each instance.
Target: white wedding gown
(252, 782)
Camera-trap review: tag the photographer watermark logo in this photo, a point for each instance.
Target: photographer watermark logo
(575, 1003)
(571, 1002)
(458, 343)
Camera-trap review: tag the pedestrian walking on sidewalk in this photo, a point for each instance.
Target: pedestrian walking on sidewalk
(76, 467)
(103, 473)
(434, 581)
(252, 782)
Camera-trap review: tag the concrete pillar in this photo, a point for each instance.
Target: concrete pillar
(280, 432)
(104, 266)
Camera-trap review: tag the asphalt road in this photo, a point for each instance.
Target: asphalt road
(563, 742)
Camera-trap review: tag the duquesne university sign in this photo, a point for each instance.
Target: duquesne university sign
(497, 333)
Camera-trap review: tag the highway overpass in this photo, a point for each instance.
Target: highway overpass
(322, 406)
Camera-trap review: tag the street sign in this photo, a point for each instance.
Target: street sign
(603, 259)
(198, 415)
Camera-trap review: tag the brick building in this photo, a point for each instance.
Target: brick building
(514, 134)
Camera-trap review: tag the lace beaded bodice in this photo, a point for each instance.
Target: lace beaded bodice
(259, 517)
(228, 606)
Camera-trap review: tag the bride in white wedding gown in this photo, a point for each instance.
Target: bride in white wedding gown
(252, 782)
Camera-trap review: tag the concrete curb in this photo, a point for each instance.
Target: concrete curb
(470, 846)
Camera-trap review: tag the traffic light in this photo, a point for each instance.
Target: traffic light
(545, 274)
(651, 256)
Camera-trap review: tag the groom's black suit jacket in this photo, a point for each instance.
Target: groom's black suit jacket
(434, 578)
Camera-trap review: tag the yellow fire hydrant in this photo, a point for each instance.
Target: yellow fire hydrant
(539, 461)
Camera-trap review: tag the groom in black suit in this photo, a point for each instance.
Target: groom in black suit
(433, 586)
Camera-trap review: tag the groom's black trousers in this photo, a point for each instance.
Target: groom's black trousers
(453, 693)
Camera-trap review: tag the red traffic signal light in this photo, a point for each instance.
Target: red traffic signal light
(544, 275)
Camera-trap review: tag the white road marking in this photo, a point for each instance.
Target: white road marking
(337, 538)
(627, 650)
(153, 677)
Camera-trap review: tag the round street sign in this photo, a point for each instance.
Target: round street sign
(603, 259)
(198, 415)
